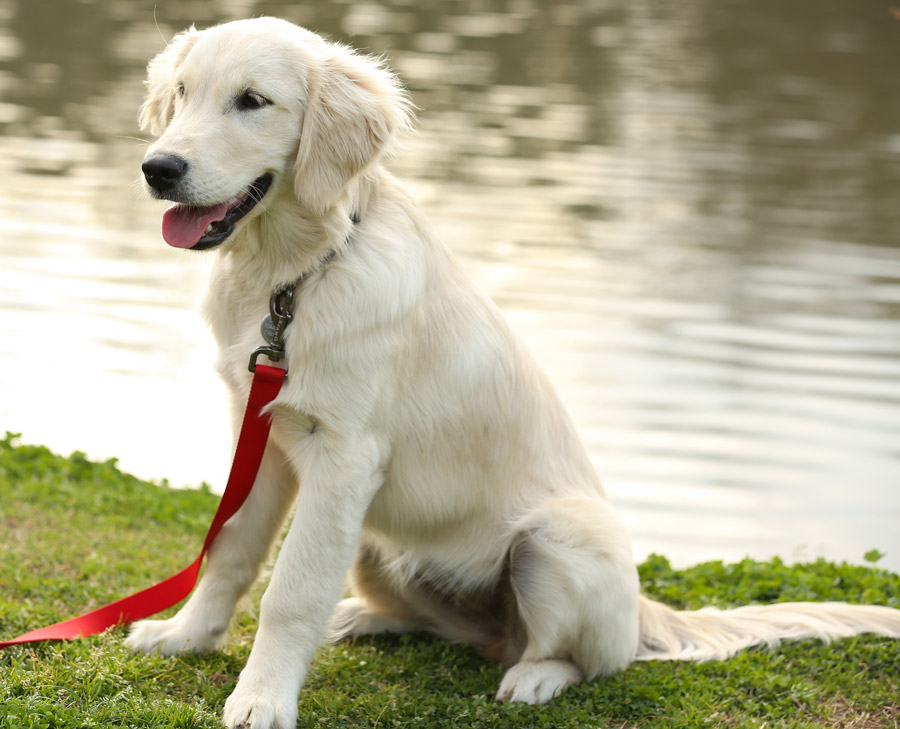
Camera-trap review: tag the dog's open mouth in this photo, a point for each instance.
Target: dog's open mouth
(199, 228)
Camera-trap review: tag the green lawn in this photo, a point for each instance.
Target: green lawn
(77, 534)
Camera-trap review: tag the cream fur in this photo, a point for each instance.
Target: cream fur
(424, 449)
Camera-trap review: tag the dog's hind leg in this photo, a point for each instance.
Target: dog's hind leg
(576, 590)
(385, 603)
(232, 565)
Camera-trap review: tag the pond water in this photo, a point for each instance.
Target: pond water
(690, 210)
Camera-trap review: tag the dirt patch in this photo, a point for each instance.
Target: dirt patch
(845, 714)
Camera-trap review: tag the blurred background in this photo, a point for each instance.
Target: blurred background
(689, 210)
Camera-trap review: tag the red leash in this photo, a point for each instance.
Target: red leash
(267, 383)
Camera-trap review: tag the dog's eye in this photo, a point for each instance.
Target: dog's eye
(180, 89)
(250, 100)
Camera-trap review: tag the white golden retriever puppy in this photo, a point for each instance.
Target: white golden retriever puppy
(424, 449)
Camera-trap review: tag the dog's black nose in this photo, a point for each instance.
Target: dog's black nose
(164, 171)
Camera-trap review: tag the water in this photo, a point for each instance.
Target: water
(689, 210)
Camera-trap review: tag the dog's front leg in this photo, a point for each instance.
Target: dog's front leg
(232, 565)
(338, 481)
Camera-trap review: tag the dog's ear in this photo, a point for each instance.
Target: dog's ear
(355, 109)
(157, 109)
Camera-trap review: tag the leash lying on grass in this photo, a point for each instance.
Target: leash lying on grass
(254, 435)
(251, 444)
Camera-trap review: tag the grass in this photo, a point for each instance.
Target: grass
(77, 534)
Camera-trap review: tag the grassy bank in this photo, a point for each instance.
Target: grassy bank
(77, 534)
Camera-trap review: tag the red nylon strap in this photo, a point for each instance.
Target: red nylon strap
(248, 455)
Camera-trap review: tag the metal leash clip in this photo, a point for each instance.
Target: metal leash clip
(272, 328)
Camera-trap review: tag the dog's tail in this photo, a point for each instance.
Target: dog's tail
(712, 634)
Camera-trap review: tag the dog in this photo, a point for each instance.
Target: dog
(424, 449)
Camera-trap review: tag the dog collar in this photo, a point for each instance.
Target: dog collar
(281, 311)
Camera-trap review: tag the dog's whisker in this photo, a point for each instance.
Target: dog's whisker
(134, 139)
(257, 195)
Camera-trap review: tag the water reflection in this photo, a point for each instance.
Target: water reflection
(688, 209)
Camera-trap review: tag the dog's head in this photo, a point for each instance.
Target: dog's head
(246, 108)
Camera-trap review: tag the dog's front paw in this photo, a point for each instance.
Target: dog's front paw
(170, 637)
(250, 709)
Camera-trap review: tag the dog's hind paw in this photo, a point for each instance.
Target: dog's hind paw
(170, 637)
(536, 682)
(353, 617)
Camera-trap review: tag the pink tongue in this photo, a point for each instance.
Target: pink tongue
(183, 225)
